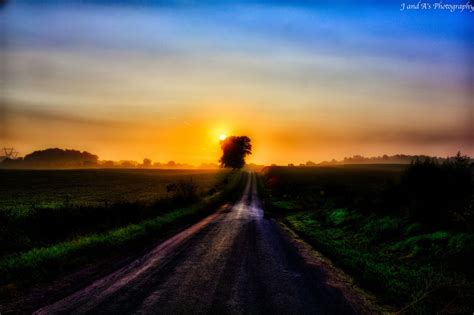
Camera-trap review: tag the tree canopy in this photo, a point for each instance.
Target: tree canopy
(234, 151)
(59, 157)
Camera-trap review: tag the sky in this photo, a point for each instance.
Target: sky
(304, 80)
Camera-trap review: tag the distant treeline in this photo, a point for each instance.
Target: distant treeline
(53, 158)
(60, 158)
(147, 163)
(384, 159)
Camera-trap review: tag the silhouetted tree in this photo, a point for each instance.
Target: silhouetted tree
(234, 151)
(146, 162)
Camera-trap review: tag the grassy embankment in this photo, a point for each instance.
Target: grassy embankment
(349, 214)
(153, 222)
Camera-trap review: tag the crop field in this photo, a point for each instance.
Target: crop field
(23, 190)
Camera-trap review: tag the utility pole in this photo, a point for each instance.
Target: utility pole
(10, 153)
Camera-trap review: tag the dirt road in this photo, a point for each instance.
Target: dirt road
(235, 261)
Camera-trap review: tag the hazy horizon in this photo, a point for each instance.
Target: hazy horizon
(304, 81)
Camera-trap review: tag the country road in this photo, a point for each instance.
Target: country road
(234, 261)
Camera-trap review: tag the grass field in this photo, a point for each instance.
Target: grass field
(356, 215)
(23, 190)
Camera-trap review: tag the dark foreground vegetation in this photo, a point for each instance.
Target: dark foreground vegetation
(403, 232)
(44, 243)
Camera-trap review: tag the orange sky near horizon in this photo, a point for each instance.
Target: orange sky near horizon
(194, 138)
(304, 82)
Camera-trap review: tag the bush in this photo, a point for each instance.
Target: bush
(438, 193)
(424, 246)
(337, 216)
(184, 189)
(382, 229)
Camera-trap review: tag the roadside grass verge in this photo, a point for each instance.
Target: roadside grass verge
(40, 264)
(416, 271)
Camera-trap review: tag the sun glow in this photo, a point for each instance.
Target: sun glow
(222, 137)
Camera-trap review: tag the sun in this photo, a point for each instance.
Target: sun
(222, 137)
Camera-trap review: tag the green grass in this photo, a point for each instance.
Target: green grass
(40, 264)
(39, 261)
(400, 269)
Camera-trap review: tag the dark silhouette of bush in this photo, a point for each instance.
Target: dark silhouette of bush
(234, 151)
(439, 193)
(184, 190)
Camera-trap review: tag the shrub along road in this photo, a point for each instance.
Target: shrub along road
(234, 261)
